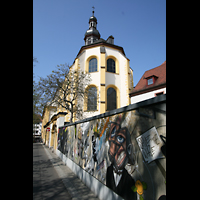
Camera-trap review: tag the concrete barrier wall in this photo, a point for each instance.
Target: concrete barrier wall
(121, 153)
(94, 184)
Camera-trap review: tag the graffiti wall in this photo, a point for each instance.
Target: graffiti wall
(126, 151)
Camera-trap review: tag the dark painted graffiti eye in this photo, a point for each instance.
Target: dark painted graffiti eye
(120, 139)
(113, 132)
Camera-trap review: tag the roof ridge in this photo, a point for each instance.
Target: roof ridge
(155, 67)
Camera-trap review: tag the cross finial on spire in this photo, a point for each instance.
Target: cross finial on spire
(93, 10)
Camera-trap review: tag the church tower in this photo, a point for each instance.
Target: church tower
(92, 34)
(108, 66)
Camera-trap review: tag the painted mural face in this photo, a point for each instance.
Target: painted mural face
(120, 147)
(113, 149)
(117, 149)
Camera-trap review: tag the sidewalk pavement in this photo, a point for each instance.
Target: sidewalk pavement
(73, 184)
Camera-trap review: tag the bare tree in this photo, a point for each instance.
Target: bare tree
(36, 111)
(65, 88)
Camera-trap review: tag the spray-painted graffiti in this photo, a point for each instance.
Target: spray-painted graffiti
(150, 145)
(120, 151)
(139, 188)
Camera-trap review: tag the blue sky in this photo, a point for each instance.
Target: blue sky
(139, 26)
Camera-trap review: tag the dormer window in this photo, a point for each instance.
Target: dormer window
(150, 81)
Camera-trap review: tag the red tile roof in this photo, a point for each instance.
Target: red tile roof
(142, 87)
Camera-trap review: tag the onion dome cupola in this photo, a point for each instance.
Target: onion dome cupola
(92, 34)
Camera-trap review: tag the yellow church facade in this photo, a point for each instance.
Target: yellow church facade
(108, 66)
(111, 78)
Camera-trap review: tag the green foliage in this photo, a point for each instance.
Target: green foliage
(134, 188)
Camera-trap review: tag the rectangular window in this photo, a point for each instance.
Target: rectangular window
(150, 81)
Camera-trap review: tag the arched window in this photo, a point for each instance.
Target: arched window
(110, 65)
(111, 99)
(93, 65)
(92, 98)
